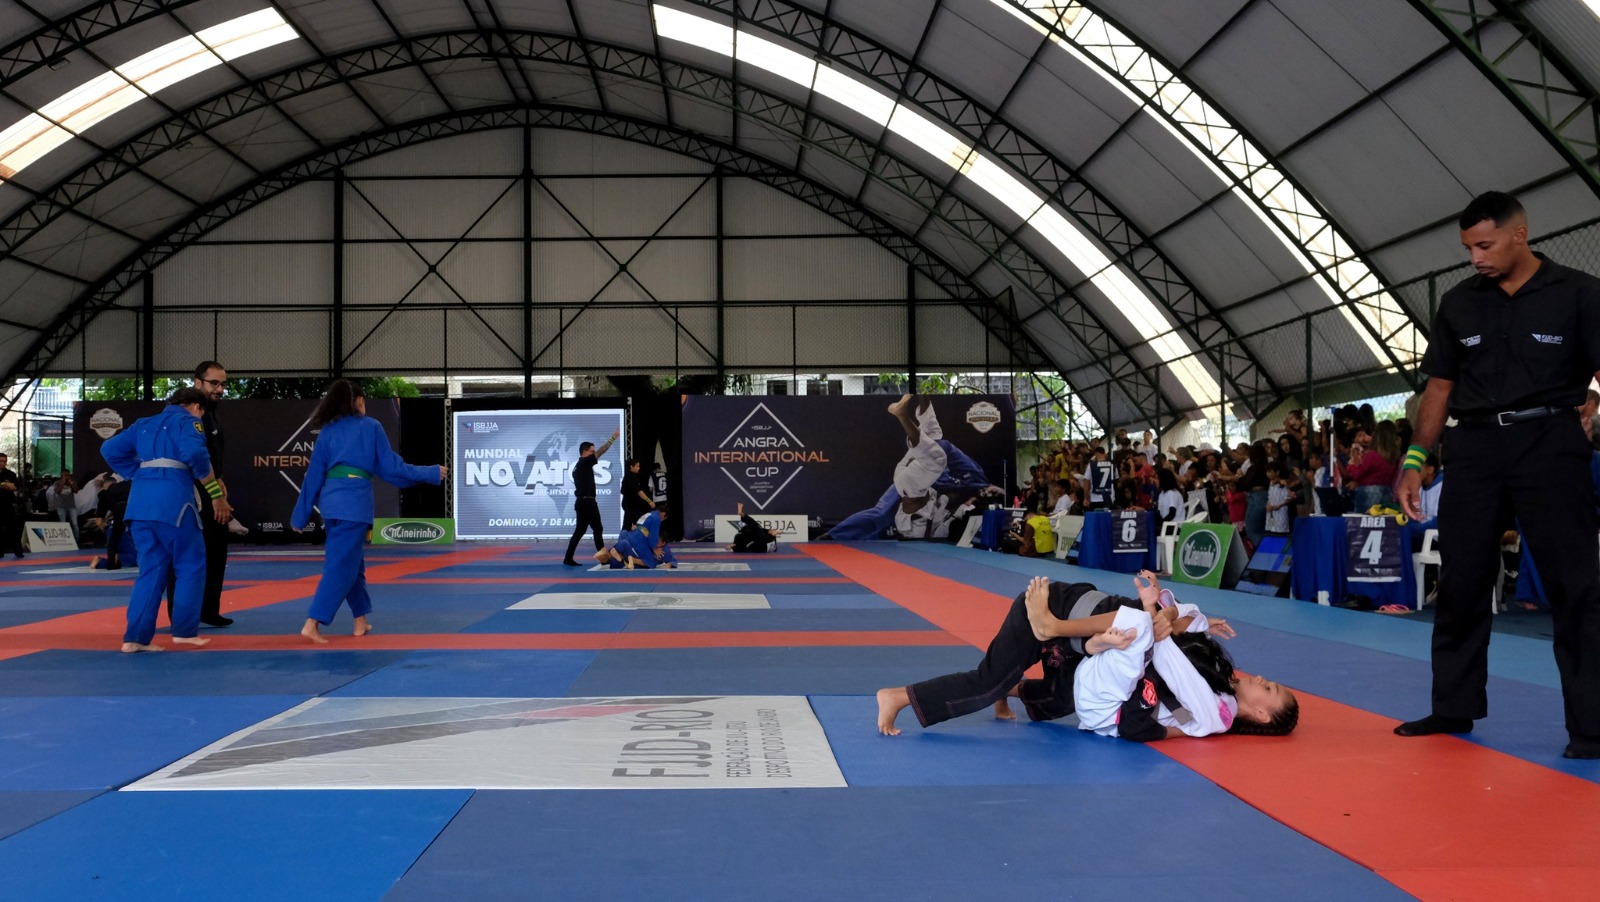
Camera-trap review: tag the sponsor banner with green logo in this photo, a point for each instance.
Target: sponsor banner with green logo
(413, 531)
(1203, 553)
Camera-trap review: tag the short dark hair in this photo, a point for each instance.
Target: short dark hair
(584, 446)
(338, 401)
(187, 395)
(202, 366)
(1491, 205)
(628, 464)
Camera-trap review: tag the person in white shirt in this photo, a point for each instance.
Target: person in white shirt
(1170, 502)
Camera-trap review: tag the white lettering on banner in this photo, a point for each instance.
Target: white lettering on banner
(1128, 534)
(1372, 552)
(791, 527)
(528, 473)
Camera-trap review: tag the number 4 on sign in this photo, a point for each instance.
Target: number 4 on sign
(1372, 548)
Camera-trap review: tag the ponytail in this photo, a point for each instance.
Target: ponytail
(1209, 658)
(340, 401)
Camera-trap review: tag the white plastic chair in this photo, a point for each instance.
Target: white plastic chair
(974, 523)
(1168, 545)
(1066, 527)
(1420, 561)
(1195, 508)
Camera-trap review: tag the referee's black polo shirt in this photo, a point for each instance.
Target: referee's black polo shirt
(1537, 347)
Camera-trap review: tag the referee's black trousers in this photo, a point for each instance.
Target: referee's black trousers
(1537, 471)
(588, 511)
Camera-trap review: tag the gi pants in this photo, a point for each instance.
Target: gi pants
(344, 572)
(166, 549)
(1538, 470)
(588, 512)
(1011, 652)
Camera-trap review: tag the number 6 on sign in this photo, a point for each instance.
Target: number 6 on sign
(1129, 533)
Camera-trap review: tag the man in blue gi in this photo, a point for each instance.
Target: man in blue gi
(164, 455)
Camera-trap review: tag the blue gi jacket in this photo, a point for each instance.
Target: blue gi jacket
(359, 442)
(161, 493)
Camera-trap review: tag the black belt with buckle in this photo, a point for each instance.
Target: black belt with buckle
(1511, 417)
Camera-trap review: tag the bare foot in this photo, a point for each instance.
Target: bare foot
(129, 648)
(602, 556)
(1002, 710)
(890, 702)
(195, 641)
(362, 627)
(1037, 602)
(313, 631)
(899, 407)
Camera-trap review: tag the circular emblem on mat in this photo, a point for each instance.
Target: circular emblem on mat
(643, 601)
(1199, 553)
(105, 423)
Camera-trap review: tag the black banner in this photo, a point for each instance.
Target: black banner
(1372, 549)
(866, 467)
(266, 446)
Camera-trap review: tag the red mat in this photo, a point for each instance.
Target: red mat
(1439, 817)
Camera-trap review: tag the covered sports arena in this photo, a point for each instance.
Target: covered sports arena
(759, 238)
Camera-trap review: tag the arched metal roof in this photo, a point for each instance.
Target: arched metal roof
(1133, 192)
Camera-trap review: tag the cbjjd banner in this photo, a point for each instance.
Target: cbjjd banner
(1372, 549)
(266, 446)
(866, 466)
(512, 471)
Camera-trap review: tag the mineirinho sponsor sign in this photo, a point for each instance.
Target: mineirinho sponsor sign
(1201, 555)
(413, 531)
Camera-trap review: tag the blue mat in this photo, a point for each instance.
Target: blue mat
(187, 673)
(239, 846)
(541, 621)
(871, 843)
(37, 615)
(474, 674)
(978, 750)
(43, 599)
(604, 583)
(442, 615)
(652, 621)
(795, 670)
(95, 743)
(21, 810)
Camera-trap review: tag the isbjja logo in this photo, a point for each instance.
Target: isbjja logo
(483, 427)
(412, 532)
(1198, 554)
(105, 423)
(983, 416)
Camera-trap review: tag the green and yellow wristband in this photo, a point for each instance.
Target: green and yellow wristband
(1415, 456)
(213, 487)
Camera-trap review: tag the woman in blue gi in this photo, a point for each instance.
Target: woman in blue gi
(639, 547)
(350, 451)
(162, 455)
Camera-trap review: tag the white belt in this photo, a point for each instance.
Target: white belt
(164, 463)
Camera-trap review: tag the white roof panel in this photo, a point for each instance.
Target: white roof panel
(1305, 89)
(1146, 191)
(1372, 40)
(977, 48)
(1061, 118)
(1175, 28)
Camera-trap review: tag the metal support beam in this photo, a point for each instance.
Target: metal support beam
(1548, 90)
(527, 262)
(336, 333)
(147, 335)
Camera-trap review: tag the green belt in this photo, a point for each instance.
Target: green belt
(345, 471)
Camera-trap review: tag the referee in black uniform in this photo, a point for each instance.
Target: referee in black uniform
(1510, 358)
(583, 491)
(211, 380)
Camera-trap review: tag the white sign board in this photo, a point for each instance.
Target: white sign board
(791, 527)
(625, 742)
(50, 535)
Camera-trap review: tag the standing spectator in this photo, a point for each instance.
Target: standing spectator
(113, 511)
(10, 522)
(636, 500)
(583, 493)
(1280, 497)
(63, 500)
(1169, 503)
(1253, 483)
